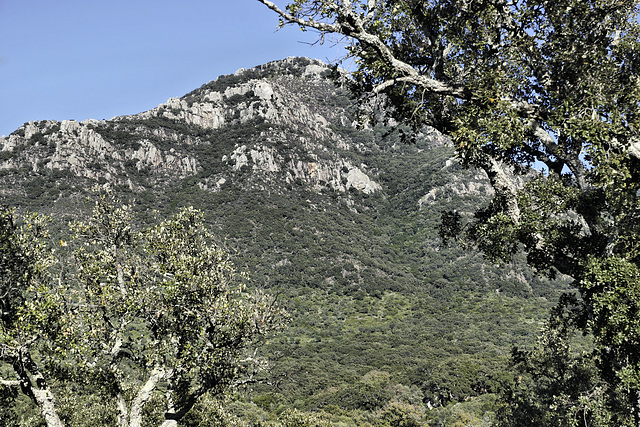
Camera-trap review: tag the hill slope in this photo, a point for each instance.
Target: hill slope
(339, 222)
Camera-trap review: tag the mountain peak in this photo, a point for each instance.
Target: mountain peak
(284, 121)
(340, 221)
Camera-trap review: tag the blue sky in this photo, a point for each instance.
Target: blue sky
(80, 59)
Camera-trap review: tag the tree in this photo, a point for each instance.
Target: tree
(29, 313)
(151, 319)
(516, 84)
(556, 385)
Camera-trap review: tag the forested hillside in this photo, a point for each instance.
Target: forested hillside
(339, 223)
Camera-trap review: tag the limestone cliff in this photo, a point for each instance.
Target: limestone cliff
(288, 134)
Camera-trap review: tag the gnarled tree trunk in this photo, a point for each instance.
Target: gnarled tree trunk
(35, 386)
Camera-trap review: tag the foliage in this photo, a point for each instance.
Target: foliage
(556, 385)
(30, 312)
(132, 312)
(478, 411)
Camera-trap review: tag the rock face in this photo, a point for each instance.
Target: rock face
(475, 185)
(85, 150)
(278, 127)
(272, 121)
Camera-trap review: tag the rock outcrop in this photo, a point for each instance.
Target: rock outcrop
(281, 122)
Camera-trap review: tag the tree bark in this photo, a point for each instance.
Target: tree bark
(123, 412)
(46, 402)
(135, 416)
(35, 386)
(172, 414)
(170, 421)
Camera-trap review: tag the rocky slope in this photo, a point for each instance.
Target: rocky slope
(163, 142)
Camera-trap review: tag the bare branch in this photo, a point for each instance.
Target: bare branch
(321, 26)
(10, 383)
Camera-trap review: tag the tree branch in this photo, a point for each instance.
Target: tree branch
(37, 389)
(10, 383)
(351, 24)
(371, 7)
(502, 184)
(172, 415)
(143, 396)
(321, 26)
(571, 160)
(634, 148)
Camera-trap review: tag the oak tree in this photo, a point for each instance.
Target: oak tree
(522, 84)
(30, 311)
(148, 318)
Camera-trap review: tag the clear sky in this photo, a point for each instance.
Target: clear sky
(80, 59)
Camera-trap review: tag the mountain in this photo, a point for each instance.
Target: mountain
(340, 222)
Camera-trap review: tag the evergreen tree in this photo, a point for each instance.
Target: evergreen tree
(138, 322)
(517, 84)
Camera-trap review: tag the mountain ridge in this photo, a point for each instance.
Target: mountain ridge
(251, 101)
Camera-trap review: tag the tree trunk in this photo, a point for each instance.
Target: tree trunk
(169, 414)
(123, 413)
(135, 416)
(36, 387)
(173, 414)
(46, 402)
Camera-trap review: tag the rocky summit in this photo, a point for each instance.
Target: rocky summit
(290, 135)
